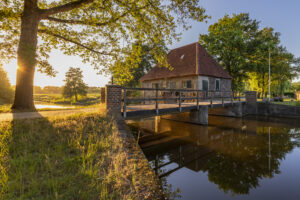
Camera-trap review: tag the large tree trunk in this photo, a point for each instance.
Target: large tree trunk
(27, 57)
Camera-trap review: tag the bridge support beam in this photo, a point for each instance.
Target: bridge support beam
(237, 109)
(194, 116)
(200, 116)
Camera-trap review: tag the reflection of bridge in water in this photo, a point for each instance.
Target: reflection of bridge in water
(191, 157)
(228, 148)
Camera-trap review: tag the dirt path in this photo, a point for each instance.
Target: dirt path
(32, 115)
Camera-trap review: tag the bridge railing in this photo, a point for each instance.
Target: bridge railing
(176, 96)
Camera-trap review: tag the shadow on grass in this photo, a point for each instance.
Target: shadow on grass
(54, 159)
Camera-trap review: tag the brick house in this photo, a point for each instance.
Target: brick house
(193, 68)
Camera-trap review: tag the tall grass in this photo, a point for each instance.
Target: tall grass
(78, 157)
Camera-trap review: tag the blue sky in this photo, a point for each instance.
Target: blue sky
(283, 16)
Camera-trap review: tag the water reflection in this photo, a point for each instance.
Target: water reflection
(43, 106)
(235, 154)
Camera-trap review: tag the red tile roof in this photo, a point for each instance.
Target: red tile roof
(189, 60)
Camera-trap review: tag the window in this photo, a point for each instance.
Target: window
(172, 85)
(155, 85)
(217, 84)
(187, 84)
(205, 85)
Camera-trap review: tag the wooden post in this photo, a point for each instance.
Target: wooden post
(232, 98)
(239, 96)
(211, 100)
(197, 100)
(156, 100)
(180, 101)
(124, 104)
(222, 96)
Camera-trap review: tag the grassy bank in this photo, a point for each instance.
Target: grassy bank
(289, 103)
(78, 157)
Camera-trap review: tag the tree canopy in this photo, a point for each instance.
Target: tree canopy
(242, 48)
(232, 42)
(99, 31)
(74, 84)
(128, 72)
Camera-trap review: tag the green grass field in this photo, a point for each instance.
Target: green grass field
(78, 157)
(90, 99)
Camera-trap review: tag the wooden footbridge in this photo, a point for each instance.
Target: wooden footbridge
(145, 102)
(140, 102)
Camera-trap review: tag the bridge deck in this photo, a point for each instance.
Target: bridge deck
(168, 108)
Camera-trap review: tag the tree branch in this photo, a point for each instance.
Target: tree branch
(74, 42)
(64, 8)
(68, 21)
(111, 20)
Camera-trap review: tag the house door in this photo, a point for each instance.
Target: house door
(205, 86)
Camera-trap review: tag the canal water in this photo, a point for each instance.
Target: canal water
(231, 158)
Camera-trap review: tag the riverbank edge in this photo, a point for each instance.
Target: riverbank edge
(149, 186)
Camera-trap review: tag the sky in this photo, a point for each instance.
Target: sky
(283, 16)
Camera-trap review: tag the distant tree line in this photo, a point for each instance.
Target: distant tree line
(6, 90)
(58, 90)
